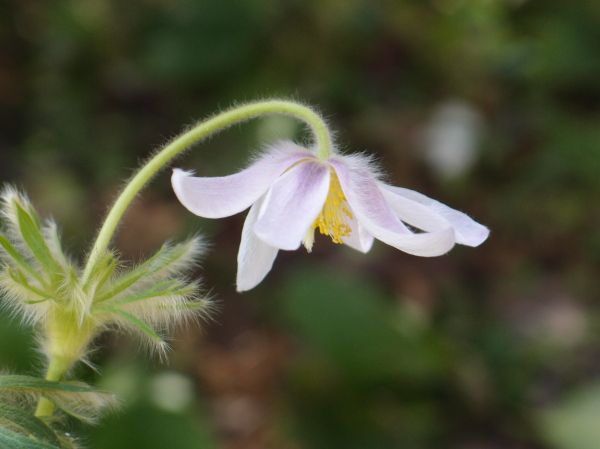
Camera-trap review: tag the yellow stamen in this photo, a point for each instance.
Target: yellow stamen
(332, 220)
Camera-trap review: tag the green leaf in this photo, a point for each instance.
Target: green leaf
(169, 259)
(33, 236)
(77, 399)
(103, 272)
(26, 423)
(85, 407)
(13, 440)
(52, 238)
(137, 323)
(169, 288)
(19, 277)
(189, 306)
(18, 258)
(17, 383)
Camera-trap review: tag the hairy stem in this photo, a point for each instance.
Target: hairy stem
(56, 370)
(198, 133)
(66, 339)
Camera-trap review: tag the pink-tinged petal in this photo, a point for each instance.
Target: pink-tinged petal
(359, 239)
(223, 196)
(255, 258)
(292, 205)
(373, 212)
(428, 214)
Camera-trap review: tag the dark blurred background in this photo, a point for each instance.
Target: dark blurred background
(492, 106)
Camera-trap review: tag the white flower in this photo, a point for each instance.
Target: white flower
(291, 193)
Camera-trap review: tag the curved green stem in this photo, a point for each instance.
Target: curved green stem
(198, 133)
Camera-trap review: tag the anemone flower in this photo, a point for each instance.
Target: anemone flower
(291, 193)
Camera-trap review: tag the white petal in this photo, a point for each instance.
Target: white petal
(292, 205)
(223, 196)
(373, 212)
(255, 258)
(428, 214)
(359, 239)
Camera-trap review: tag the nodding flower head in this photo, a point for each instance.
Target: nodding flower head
(291, 193)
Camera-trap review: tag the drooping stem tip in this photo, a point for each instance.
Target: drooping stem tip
(201, 131)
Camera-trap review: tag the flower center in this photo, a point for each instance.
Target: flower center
(332, 220)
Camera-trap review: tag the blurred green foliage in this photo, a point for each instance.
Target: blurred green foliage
(17, 346)
(572, 423)
(151, 416)
(478, 349)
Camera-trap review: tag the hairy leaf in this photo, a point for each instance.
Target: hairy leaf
(17, 258)
(137, 324)
(168, 260)
(30, 230)
(103, 272)
(52, 238)
(15, 382)
(21, 421)
(33, 294)
(77, 399)
(10, 439)
(168, 288)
